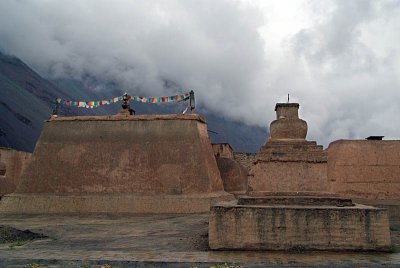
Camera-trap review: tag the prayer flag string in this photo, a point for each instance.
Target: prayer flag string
(94, 104)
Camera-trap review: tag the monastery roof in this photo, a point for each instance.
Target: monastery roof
(125, 117)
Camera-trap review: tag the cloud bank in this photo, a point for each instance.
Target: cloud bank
(339, 59)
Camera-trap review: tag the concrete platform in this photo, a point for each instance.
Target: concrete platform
(392, 206)
(156, 241)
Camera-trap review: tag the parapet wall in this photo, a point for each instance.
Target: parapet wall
(12, 163)
(365, 169)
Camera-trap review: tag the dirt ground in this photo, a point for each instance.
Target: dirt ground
(154, 241)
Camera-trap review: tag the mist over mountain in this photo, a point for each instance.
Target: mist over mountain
(26, 100)
(338, 59)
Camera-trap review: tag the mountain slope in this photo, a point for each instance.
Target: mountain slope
(24, 103)
(26, 100)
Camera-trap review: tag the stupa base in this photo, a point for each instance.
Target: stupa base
(294, 222)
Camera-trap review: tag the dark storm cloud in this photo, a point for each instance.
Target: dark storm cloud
(343, 68)
(354, 63)
(212, 47)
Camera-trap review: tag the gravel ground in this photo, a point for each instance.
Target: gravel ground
(11, 235)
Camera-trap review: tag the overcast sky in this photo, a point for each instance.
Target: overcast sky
(339, 59)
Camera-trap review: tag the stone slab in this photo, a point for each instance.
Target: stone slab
(295, 200)
(392, 206)
(293, 193)
(263, 227)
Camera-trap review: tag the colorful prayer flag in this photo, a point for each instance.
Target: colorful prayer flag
(91, 104)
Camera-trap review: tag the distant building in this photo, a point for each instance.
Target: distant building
(222, 150)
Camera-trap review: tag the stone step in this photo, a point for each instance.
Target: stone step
(295, 200)
(291, 193)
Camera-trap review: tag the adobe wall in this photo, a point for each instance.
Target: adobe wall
(146, 163)
(222, 150)
(365, 169)
(289, 165)
(288, 176)
(233, 175)
(168, 154)
(11, 164)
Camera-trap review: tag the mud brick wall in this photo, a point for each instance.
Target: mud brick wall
(146, 154)
(289, 165)
(288, 176)
(233, 175)
(222, 150)
(365, 169)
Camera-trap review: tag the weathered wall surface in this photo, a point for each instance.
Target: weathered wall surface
(245, 159)
(168, 154)
(12, 163)
(365, 169)
(120, 164)
(291, 228)
(284, 166)
(222, 150)
(288, 176)
(233, 175)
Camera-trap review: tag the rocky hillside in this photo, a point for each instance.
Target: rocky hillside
(26, 100)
